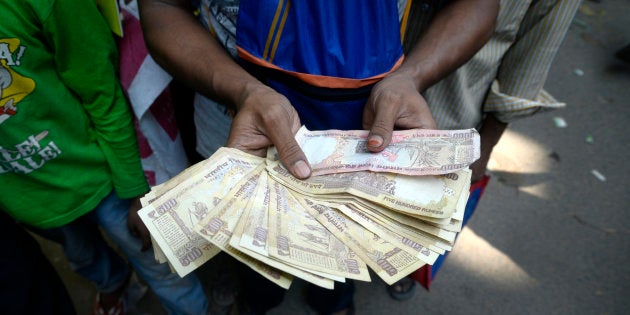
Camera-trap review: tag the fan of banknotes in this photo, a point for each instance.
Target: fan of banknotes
(392, 211)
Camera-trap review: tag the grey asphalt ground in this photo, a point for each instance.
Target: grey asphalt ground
(549, 236)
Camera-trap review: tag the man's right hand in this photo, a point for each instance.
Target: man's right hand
(266, 118)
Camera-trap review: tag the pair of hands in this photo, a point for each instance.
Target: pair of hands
(267, 118)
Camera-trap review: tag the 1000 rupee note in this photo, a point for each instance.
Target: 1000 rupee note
(411, 152)
(171, 224)
(431, 196)
(388, 261)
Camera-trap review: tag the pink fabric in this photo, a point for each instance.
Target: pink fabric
(133, 50)
(161, 149)
(163, 111)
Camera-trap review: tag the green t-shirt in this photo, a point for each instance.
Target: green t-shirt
(66, 131)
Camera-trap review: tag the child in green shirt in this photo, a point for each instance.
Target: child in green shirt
(69, 160)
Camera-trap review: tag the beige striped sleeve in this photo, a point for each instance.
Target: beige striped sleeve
(518, 89)
(506, 76)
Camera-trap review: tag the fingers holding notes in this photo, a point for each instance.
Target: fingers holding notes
(394, 103)
(267, 119)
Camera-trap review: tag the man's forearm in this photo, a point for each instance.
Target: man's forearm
(454, 36)
(180, 44)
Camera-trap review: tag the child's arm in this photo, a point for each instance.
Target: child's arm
(87, 62)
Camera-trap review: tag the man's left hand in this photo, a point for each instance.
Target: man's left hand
(394, 103)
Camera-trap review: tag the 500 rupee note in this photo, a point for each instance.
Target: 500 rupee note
(254, 217)
(219, 223)
(431, 196)
(419, 251)
(388, 261)
(298, 239)
(170, 220)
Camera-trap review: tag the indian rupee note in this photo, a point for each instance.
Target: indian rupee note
(219, 223)
(411, 152)
(426, 240)
(421, 252)
(432, 196)
(389, 262)
(255, 222)
(158, 190)
(298, 239)
(171, 224)
(252, 216)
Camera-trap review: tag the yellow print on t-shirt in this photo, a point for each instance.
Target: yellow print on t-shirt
(13, 86)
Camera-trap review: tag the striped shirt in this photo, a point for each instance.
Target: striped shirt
(506, 77)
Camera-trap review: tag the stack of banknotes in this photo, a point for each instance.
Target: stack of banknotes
(392, 211)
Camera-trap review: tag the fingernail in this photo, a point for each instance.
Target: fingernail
(301, 169)
(375, 141)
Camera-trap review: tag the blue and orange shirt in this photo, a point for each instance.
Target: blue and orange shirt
(324, 56)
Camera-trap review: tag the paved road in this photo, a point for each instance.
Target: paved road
(549, 237)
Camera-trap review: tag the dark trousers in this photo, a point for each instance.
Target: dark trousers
(28, 282)
(262, 295)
